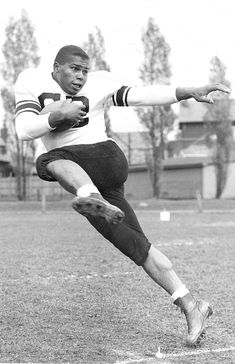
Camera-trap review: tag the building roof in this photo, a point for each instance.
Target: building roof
(177, 163)
(191, 111)
(4, 158)
(195, 150)
(186, 162)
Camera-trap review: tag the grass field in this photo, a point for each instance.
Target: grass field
(68, 296)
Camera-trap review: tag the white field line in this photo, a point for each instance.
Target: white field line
(139, 211)
(182, 211)
(94, 275)
(160, 355)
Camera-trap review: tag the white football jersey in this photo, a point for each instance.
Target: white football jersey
(35, 88)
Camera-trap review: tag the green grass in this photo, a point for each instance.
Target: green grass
(68, 296)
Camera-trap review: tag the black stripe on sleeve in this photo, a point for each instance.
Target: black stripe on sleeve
(127, 90)
(120, 97)
(113, 99)
(27, 106)
(33, 111)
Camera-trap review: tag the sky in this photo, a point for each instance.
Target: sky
(196, 31)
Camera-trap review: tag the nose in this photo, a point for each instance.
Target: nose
(80, 75)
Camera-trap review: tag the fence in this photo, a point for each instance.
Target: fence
(35, 189)
(137, 187)
(178, 182)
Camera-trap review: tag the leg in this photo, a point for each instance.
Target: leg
(88, 202)
(160, 269)
(129, 238)
(69, 175)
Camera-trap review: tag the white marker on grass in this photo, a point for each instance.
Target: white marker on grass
(158, 354)
(165, 215)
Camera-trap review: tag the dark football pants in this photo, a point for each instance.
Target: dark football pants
(107, 167)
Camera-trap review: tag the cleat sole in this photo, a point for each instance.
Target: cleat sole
(88, 206)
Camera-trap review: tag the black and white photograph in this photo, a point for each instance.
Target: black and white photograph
(117, 182)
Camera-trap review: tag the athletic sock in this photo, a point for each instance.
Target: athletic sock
(86, 190)
(179, 293)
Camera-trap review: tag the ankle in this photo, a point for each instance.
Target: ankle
(186, 303)
(179, 292)
(87, 190)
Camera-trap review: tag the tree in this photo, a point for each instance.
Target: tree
(20, 51)
(157, 119)
(95, 48)
(219, 126)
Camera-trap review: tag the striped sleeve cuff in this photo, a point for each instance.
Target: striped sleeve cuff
(28, 106)
(120, 96)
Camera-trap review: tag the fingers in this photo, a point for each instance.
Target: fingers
(209, 100)
(204, 94)
(220, 87)
(206, 99)
(79, 107)
(82, 113)
(77, 110)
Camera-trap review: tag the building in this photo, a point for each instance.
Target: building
(192, 123)
(190, 169)
(5, 165)
(133, 145)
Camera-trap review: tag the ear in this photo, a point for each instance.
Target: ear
(56, 66)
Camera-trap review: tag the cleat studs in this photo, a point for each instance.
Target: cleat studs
(94, 207)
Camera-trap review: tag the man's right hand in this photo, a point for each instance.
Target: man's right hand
(200, 94)
(64, 115)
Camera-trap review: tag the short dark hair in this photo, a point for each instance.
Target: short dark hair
(70, 50)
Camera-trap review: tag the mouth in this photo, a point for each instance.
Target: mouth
(77, 86)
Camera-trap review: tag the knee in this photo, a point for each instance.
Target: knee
(41, 167)
(60, 167)
(54, 165)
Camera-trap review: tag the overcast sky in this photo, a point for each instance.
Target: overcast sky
(195, 30)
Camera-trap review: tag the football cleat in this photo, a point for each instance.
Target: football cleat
(95, 205)
(196, 321)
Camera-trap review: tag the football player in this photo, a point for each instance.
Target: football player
(65, 108)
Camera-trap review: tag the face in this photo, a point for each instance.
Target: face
(72, 75)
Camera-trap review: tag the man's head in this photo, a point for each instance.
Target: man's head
(70, 69)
